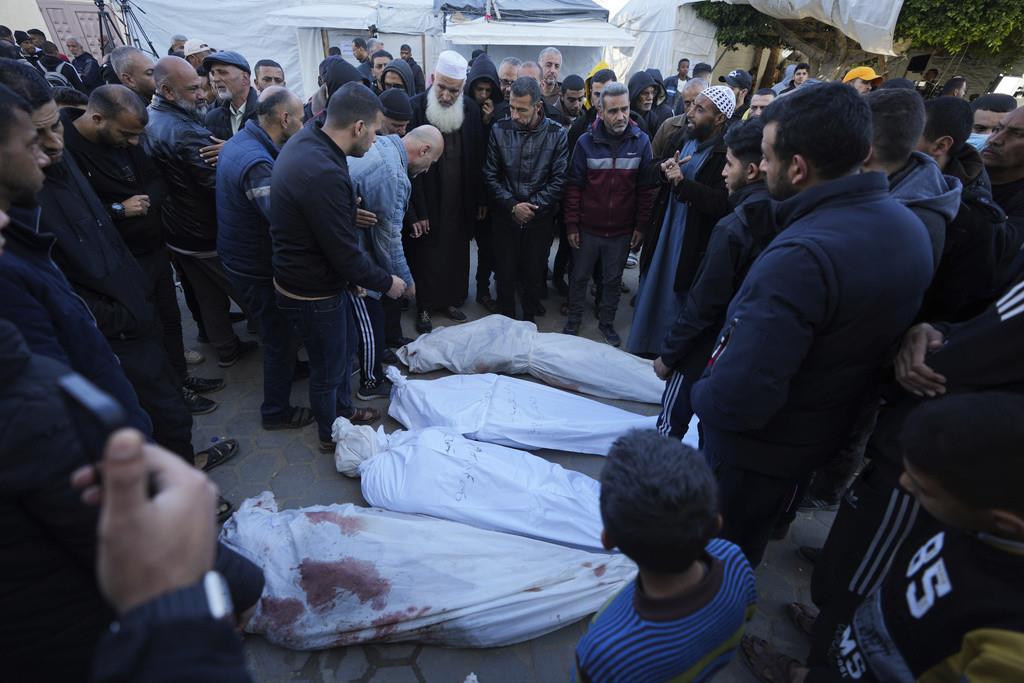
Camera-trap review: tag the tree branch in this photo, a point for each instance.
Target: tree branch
(790, 37)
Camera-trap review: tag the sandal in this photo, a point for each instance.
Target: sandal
(224, 509)
(803, 616)
(766, 663)
(219, 453)
(298, 418)
(364, 416)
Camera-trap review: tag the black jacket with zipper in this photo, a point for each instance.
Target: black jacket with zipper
(735, 242)
(218, 119)
(526, 165)
(174, 138)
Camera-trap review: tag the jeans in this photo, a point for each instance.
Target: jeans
(324, 325)
(520, 256)
(278, 340)
(612, 253)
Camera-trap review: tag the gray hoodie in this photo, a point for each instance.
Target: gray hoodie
(933, 197)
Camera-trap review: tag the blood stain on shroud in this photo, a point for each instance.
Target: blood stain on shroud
(349, 526)
(322, 580)
(281, 612)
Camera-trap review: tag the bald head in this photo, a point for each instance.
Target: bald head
(178, 83)
(530, 70)
(280, 113)
(424, 146)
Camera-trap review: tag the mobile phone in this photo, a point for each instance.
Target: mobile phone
(95, 414)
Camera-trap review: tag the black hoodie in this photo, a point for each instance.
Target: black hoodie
(337, 72)
(483, 69)
(638, 82)
(403, 70)
(660, 112)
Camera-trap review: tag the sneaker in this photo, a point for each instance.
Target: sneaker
(571, 327)
(455, 314)
(194, 357)
(388, 357)
(203, 385)
(241, 349)
(423, 324)
(809, 504)
(632, 261)
(371, 391)
(196, 404)
(611, 337)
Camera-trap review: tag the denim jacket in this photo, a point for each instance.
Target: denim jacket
(381, 179)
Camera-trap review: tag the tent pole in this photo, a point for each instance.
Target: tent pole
(326, 41)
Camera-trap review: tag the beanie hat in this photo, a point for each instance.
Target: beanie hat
(572, 82)
(395, 104)
(722, 98)
(21, 37)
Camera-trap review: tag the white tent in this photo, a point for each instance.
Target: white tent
(665, 30)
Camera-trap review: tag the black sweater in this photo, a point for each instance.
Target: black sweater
(313, 213)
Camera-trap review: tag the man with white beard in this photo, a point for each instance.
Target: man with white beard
(448, 199)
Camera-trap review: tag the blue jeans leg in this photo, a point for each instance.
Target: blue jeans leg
(324, 326)
(676, 410)
(279, 344)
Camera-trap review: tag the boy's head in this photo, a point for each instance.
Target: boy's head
(658, 502)
(743, 154)
(963, 460)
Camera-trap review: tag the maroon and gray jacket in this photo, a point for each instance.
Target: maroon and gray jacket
(611, 187)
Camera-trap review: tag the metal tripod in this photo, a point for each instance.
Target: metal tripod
(136, 33)
(108, 29)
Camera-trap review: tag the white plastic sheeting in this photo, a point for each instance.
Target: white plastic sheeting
(869, 22)
(510, 412)
(561, 32)
(338, 575)
(502, 345)
(665, 30)
(440, 473)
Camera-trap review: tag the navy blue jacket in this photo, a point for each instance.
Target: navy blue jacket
(55, 321)
(314, 234)
(243, 233)
(818, 316)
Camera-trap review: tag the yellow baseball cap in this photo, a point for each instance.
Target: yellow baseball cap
(865, 73)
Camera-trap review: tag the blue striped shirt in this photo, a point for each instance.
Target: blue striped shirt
(686, 638)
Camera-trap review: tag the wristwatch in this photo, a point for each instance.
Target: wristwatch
(117, 208)
(209, 598)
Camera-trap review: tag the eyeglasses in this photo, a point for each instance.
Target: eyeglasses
(506, 83)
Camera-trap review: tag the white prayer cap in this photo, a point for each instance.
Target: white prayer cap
(723, 98)
(452, 65)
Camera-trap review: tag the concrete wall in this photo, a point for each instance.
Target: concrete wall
(22, 15)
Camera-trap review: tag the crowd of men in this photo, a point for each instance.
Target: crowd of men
(830, 280)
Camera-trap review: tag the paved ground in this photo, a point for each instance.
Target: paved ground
(289, 464)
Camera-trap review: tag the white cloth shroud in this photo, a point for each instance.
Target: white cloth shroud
(511, 412)
(437, 472)
(339, 575)
(501, 345)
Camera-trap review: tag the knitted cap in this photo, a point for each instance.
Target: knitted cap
(722, 98)
(452, 65)
(395, 104)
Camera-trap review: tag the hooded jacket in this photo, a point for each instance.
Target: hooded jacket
(403, 70)
(483, 69)
(965, 282)
(417, 75)
(337, 72)
(174, 137)
(638, 82)
(933, 197)
(818, 316)
(661, 111)
(218, 119)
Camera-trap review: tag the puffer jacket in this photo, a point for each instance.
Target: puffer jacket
(526, 166)
(403, 70)
(174, 138)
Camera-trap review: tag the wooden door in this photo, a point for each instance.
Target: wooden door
(65, 19)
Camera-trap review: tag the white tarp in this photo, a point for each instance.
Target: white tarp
(560, 32)
(337, 575)
(440, 473)
(869, 22)
(511, 412)
(666, 31)
(501, 345)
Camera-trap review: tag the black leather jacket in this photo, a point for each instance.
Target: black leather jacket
(174, 138)
(526, 166)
